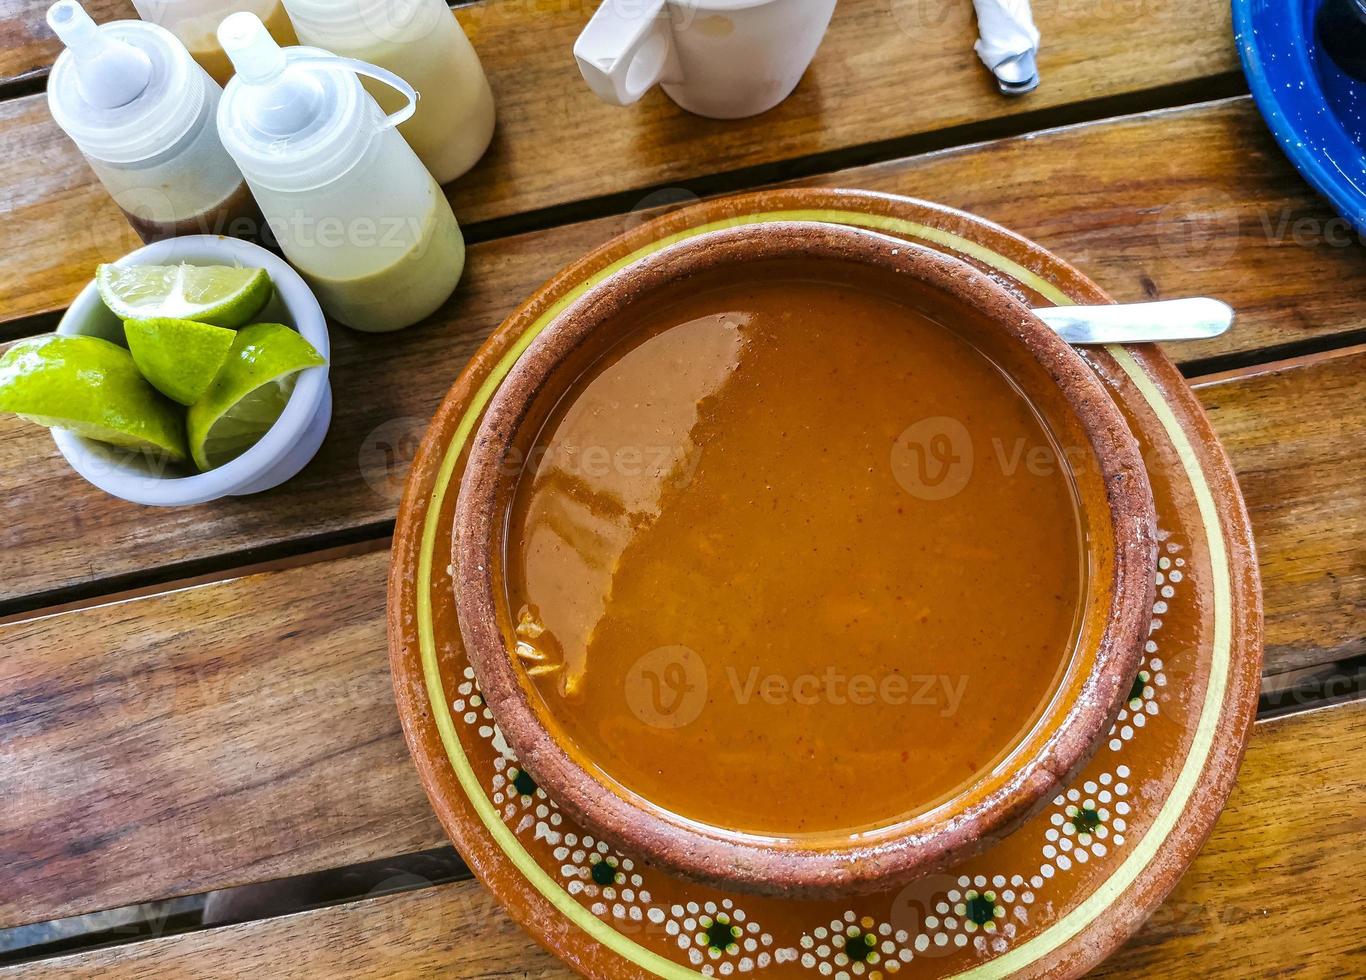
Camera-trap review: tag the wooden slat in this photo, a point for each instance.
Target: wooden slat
(1271, 890)
(212, 736)
(50, 205)
(1276, 884)
(1160, 205)
(1151, 181)
(1297, 436)
(889, 70)
(244, 730)
(455, 930)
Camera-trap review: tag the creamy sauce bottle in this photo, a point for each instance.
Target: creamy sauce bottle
(143, 114)
(423, 42)
(196, 22)
(350, 203)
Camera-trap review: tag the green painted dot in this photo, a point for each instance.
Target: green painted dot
(1140, 682)
(524, 783)
(1086, 820)
(719, 933)
(604, 873)
(980, 909)
(860, 946)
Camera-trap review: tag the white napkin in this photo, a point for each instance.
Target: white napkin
(1008, 43)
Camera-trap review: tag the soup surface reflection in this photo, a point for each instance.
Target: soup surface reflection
(793, 558)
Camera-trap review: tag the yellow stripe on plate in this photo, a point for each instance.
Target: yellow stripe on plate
(1026, 953)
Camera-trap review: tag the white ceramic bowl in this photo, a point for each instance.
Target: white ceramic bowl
(282, 452)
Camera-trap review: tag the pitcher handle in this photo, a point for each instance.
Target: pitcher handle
(336, 62)
(626, 49)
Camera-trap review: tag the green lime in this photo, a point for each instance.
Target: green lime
(92, 388)
(219, 294)
(249, 393)
(180, 357)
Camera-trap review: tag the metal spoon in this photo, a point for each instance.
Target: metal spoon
(1139, 323)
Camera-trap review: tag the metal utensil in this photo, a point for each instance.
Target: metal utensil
(1139, 323)
(1009, 44)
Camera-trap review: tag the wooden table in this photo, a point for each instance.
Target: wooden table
(198, 700)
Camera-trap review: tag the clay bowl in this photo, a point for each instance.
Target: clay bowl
(1115, 512)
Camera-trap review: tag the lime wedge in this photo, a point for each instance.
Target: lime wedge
(217, 294)
(92, 388)
(249, 393)
(180, 357)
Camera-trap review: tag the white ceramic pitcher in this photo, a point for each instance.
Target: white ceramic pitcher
(720, 58)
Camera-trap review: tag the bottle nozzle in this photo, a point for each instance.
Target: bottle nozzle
(283, 100)
(111, 72)
(254, 53)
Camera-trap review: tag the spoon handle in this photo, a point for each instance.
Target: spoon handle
(1139, 323)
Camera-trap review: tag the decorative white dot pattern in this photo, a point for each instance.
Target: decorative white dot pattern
(1087, 821)
(1144, 703)
(720, 939)
(853, 945)
(980, 914)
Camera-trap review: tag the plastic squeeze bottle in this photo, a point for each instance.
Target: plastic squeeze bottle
(196, 22)
(350, 203)
(422, 41)
(143, 113)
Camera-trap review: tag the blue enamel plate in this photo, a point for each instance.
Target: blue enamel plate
(1313, 108)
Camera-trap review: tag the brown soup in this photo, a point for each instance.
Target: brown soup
(793, 558)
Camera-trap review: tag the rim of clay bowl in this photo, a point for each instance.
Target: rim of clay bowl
(1119, 524)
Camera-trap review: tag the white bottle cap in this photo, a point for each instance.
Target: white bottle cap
(279, 102)
(296, 118)
(109, 72)
(125, 92)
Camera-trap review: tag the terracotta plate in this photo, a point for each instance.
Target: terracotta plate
(1056, 896)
